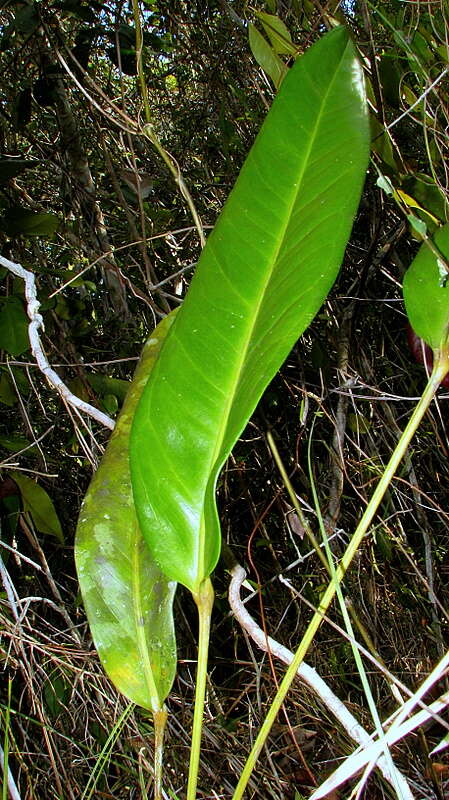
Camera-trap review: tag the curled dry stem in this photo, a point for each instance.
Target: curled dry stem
(36, 323)
(310, 676)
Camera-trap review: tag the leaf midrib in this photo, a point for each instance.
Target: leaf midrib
(140, 629)
(216, 461)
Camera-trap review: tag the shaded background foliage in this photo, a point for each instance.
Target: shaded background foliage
(88, 205)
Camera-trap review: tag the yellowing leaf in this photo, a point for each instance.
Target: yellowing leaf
(412, 203)
(127, 599)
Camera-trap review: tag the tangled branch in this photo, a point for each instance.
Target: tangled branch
(310, 677)
(37, 323)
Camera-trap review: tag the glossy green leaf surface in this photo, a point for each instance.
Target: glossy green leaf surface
(264, 273)
(127, 599)
(426, 291)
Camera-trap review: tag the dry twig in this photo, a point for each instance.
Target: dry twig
(36, 322)
(310, 677)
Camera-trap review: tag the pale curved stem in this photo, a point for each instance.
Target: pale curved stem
(36, 323)
(441, 368)
(310, 676)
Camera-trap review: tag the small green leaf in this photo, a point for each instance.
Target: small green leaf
(390, 76)
(426, 298)
(110, 404)
(384, 183)
(37, 503)
(11, 167)
(128, 600)
(26, 19)
(278, 33)
(13, 327)
(77, 9)
(14, 443)
(104, 384)
(418, 225)
(384, 545)
(127, 61)
(381, 145)
(358, 423)
(10, 517)
(7, 394)
(21, 110)
(56, 690)
(20, 379)
(18, 220)
(265, 56)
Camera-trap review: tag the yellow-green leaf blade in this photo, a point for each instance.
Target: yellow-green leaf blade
(266, 56)
(277, 32)
(128, 600)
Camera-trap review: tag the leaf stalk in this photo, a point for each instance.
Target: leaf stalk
(159, 721)
(204, 600)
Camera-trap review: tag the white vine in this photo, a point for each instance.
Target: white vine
(37, 323)
(310, 676)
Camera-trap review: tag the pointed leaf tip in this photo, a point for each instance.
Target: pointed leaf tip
(264, 273)
(127, 599)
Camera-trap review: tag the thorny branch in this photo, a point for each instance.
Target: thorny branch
(310, 677)
(36, 323)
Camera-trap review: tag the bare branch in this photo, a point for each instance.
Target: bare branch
(310, 677)
(36, 322)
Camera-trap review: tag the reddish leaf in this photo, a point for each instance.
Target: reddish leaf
(422, 353)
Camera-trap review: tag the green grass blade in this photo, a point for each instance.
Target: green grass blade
(105, 754)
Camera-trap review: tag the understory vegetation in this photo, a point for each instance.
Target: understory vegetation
(106, 189)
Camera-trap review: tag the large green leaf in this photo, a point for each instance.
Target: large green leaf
(426, 291)
(18, 220)
(264, 273)
(127, 599)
